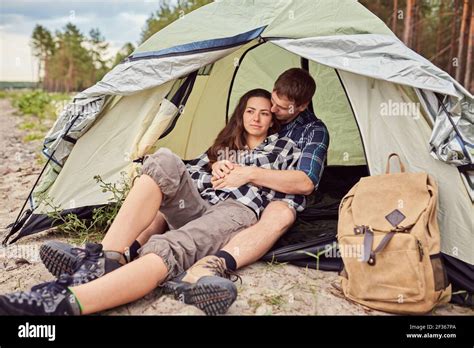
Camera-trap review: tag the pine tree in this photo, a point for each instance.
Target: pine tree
(43, 47)
(98, 51)
(468, 79)
(408, 30)
(463, 34)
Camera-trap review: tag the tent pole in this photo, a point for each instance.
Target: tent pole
(305, 66)
(241, 59)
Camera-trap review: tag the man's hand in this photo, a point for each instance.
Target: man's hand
(237, 177)
(221, 168)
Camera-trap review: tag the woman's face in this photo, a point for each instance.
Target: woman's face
(257, 116)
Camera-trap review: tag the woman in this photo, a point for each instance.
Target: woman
(201, 220)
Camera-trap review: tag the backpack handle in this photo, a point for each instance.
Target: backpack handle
(402, 167)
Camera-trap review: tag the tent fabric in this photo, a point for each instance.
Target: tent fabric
(314, 18)
(130, 77)
(76, 118)
(387, 58)
(206, 45)
(331, 105)
(282, 18)
(125, 79)
(456, 147)
(205, 112)
(379, 56)
(145, 142)
(107, 149)
(217, 20)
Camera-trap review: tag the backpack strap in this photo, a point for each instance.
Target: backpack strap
(369, 255)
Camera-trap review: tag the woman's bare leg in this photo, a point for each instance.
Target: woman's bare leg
(136, 214)
(140, 277)
(158, 226)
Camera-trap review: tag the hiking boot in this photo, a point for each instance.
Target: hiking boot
(54, 298)
(206, 285)
(51, 298)
(60, 258)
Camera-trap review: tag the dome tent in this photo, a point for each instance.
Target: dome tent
(177, 89)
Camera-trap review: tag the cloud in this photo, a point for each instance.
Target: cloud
(119, 21)
(116, 25)
(45, 9)
(16, 60)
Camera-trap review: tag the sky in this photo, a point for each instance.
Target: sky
(120, 21)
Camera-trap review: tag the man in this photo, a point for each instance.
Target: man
(292, 93)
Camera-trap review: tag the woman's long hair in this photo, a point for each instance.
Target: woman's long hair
(234, 136)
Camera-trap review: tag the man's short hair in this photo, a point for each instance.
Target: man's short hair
(296, 85)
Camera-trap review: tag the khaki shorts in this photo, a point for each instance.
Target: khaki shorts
(197, 228)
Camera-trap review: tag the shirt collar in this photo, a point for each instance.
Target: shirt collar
(305, 117)
(301, 119)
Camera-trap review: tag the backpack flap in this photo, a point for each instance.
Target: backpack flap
(390, 202)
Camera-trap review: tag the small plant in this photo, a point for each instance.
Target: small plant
(9, 94)
(273, 265)
(77, 229)
(276, 300)
(27, 126)
(40, 160)
(36, 129)
(36, 103)
(32, 137)
(318, 255)
(39, 104)
(38, 110)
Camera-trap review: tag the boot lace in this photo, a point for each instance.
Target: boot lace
(217, 266)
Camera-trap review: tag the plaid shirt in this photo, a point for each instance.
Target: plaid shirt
(312, 137)
(275, 152)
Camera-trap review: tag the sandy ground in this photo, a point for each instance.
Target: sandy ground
(266, 289)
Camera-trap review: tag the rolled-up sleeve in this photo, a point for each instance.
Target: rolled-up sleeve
(314, 153)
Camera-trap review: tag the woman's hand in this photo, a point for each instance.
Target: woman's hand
(221, 168)
(239, 176)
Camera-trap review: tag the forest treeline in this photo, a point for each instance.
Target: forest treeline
(440, 30)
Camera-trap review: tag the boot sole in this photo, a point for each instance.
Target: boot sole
(10, 310)
(212, 299)
(57, 258)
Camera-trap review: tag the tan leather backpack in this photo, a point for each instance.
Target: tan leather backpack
(390, 243)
